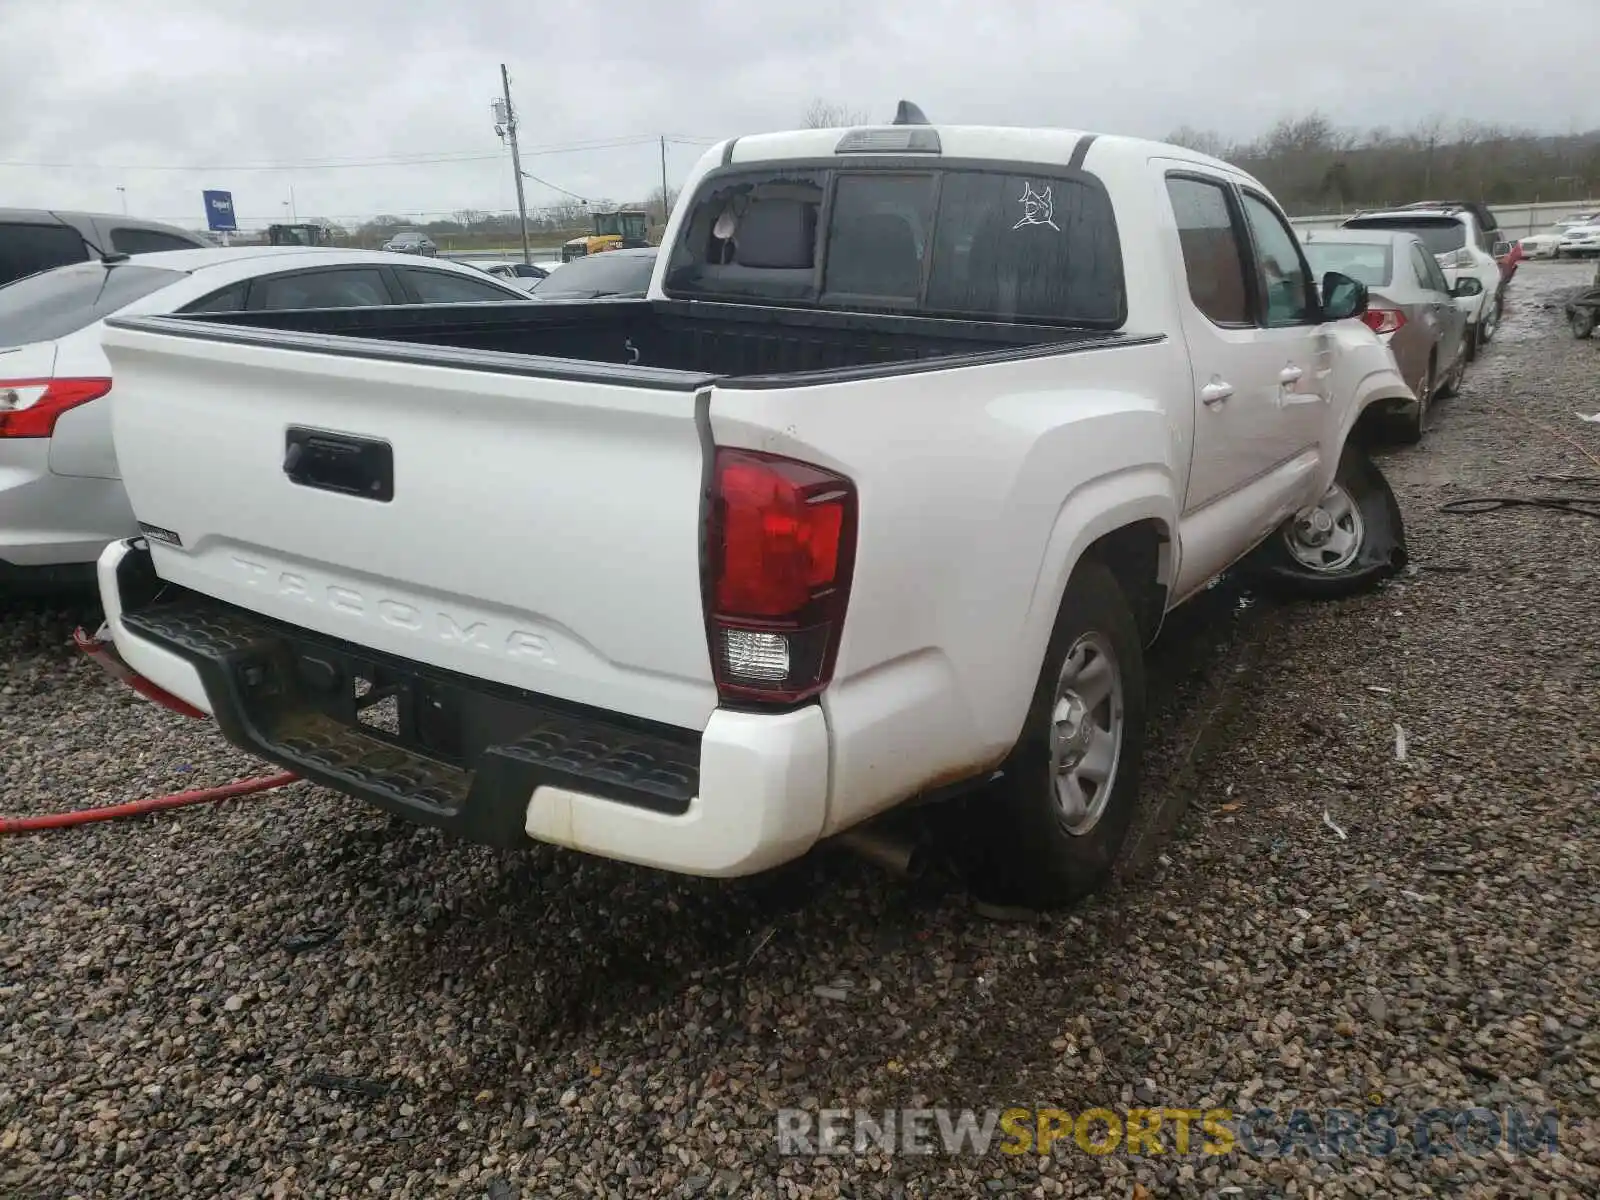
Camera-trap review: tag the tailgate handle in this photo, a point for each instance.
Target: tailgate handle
(339, 462)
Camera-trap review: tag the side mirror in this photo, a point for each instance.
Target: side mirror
(1467, 285)
(1342, 297)
(1501, 249)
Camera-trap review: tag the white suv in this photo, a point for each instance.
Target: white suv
(1464, 239)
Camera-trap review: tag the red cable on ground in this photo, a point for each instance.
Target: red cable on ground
(83, 816)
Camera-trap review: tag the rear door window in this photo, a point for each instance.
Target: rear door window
(26, 248)
(348, 287)
(1213, 254)
(55, 303)
(147, 241)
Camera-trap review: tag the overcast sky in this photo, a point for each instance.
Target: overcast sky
(103, 94)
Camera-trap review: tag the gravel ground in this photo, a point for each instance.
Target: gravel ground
(289, 996)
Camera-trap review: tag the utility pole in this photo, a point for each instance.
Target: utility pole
(663, 183)
(294, 213)
(123, 192)
(516, 160)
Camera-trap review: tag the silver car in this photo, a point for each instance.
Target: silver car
(1412, 307)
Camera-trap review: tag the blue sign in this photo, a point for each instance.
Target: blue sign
(219, 212)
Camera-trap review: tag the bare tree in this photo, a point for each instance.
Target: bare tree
(1202, 141)
(824, 114)
(654, 204)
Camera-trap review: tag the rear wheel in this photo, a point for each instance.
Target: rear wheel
(1473, 344)
(1050, 830)
(1408, 428)
(1451, 383)
(1491, 321)
(1582, 321)
(1348, 542)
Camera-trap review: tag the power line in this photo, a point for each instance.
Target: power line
(334, 163)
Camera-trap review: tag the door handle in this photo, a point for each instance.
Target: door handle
(1290, 375)
(1215, 392)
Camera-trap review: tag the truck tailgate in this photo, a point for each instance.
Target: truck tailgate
(540, 532)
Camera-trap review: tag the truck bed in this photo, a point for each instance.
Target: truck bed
(657, 343)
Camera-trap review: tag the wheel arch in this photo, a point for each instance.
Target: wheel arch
(1128, 522)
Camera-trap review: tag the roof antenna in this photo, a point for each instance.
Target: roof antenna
(909, 114)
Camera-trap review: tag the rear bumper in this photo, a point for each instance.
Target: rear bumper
(49, 521)
(490, 764)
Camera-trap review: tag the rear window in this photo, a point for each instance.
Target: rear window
(147, 241)
(26, 249)
(53, 304)
(952, 242)
(1439, 234)
(1371, 263)
(608, 273)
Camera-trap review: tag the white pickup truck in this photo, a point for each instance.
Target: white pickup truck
(879, 495)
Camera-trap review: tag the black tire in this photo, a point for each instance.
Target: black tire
(1473, 345)
(1018, 846)
(1491, 324)
(1380, 532)
(1582, 321)
(1450, 385)
(1408, 427)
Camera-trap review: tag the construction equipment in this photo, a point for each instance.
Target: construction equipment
(299, 235)
(619, 229)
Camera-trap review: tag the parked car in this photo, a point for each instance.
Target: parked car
(1547, 244)
(1580, 241)
(616, 274)
(61, 499)
(1462, 246)
(1411, 306)
(519, 274)
(880, 493)
(36, 239)
(409, 241)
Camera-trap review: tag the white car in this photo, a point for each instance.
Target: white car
(1581, 241)
(61, 499)
(1462, 247)
(878, 492)
(517, 274)
(1547, 244)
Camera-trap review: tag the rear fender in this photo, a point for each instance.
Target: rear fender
(1101, 506)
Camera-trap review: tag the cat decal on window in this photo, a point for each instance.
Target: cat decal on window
(1037, 208)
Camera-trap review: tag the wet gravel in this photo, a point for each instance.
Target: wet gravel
(290, 996)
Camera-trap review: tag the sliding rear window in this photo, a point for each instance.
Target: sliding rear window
(949, 242)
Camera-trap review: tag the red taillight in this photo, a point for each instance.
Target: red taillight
(781, 548)
(1383, 320)
(29, 407)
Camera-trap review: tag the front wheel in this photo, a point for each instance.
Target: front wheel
(1346, 543)
(1049, 831)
